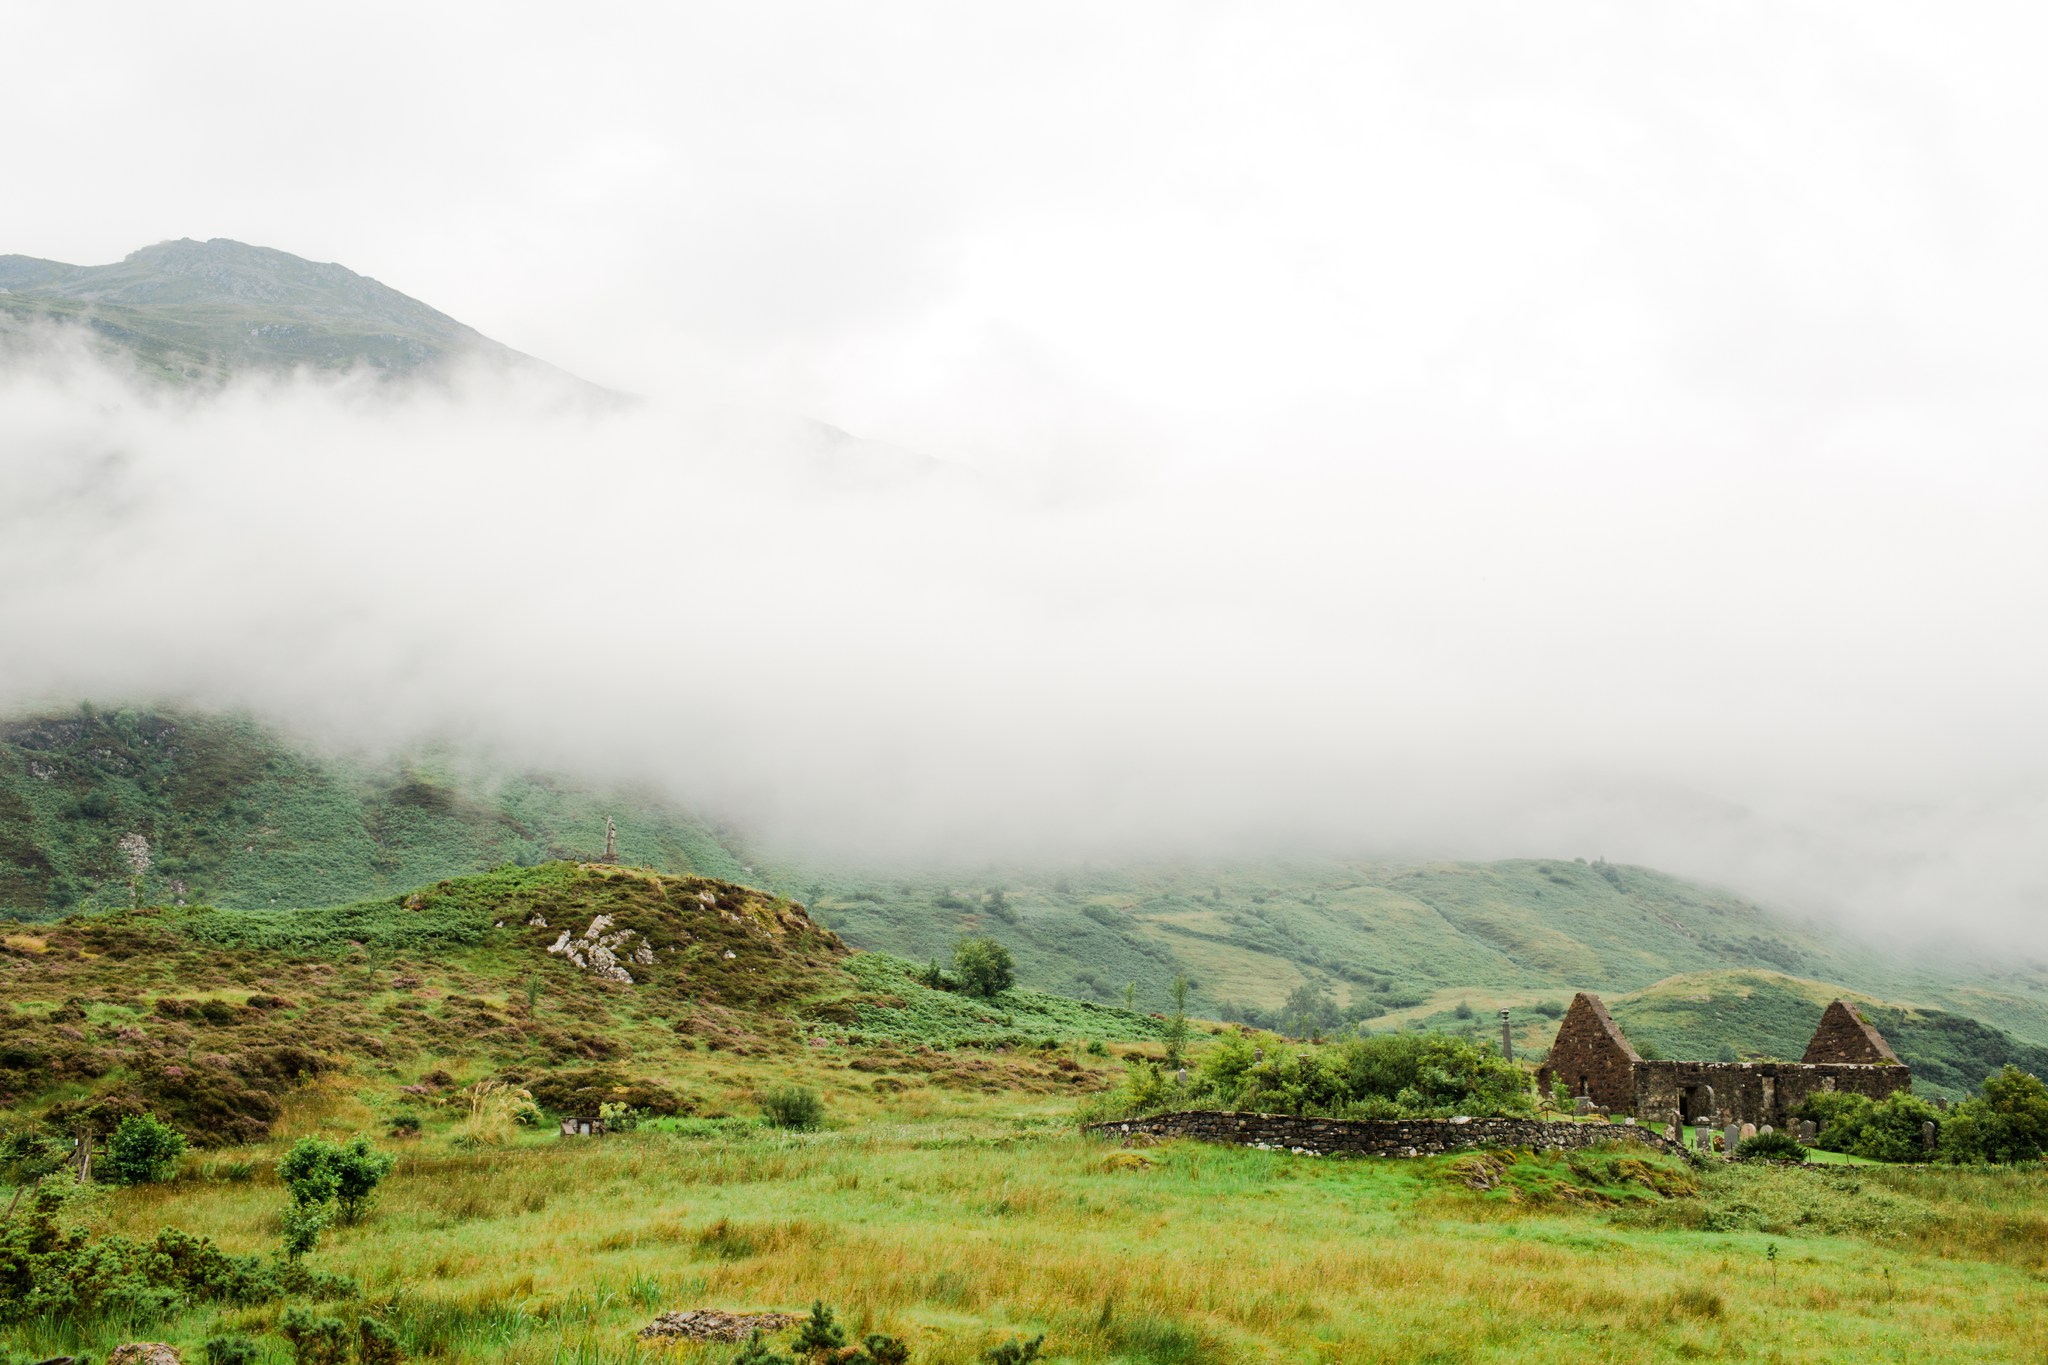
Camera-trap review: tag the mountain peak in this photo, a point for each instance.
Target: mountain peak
(189, 309)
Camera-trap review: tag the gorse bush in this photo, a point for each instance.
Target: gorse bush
(231, 1351)
(795, 1107)
(53, 1267)
(314, 1340)
(142, 1150)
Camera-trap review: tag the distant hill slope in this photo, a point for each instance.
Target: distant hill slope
(237, 816)
(1759, 1016)
(189, 310)
(241, 817)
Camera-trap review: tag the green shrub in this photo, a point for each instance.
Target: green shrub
(316, 1171)
(376, 1344)
(795, 1107)
(2007, 1122)
(143, 1150)
(985, 966)
(759, 1352)
(314, 1340)
(1016, 1351)
(302, 1225)
(819, 1338)
(1770, 1147)
(231, 1351)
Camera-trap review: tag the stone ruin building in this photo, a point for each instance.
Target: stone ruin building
(1596, 1061)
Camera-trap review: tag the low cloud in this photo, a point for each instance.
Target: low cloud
(1813, 679)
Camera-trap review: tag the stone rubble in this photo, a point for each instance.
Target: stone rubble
(708, 1324)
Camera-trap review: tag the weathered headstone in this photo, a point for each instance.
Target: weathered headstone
(1927, 1136)
(1704, 1138)
(1729, 1137)
(1180, 1077)
(1748, 1131)
(1807, 1131)
(1582, 1104)
(1675, 1127)
(1765, 1131)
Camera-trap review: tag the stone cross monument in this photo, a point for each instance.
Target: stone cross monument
(611, 840)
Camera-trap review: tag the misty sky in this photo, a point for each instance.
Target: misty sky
(1448, 430)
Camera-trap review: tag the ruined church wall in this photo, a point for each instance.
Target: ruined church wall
(1751, 1092)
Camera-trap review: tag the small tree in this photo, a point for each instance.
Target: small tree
(376, 1344)
(308, 1173)
(820, 1338)
(1176, 1034)
(358, 1169)
(985, 966)
(301, 1225)
(143, 1150)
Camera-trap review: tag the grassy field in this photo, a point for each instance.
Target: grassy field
(958, 1232)
(950, 1198)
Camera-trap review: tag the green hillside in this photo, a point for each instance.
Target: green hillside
(236, 816)
(240, 817)
(189, 310)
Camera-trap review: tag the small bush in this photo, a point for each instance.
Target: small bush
(231, 1351)
(1017, 1351)
(795, 1107)
(314, 1340)
(376, 1344)
(143, 1150)
(820, 1337)
(1770, 1147)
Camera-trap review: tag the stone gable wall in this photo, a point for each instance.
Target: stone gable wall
(1845, 1037)
(1591, 1056)
(1379, 1137)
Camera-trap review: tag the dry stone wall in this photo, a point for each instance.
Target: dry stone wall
(1379, 1137)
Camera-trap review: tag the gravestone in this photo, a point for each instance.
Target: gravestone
(1765, 1131)
(1748, 1131)
(1703, 1138)
(1729, 1137)
(1807, 1131)
(1582, 1104)
(1927, 1136)
(1675, 1129)
(1180, 1077)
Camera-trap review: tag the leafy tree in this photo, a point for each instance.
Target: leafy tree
(143, 1150)
(2007, 1122)
(308, 1173)
(985, 966)
(316, 1171)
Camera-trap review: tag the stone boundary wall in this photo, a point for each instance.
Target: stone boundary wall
(1379, 1137)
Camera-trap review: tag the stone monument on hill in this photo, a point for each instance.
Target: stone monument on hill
(611, 841)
